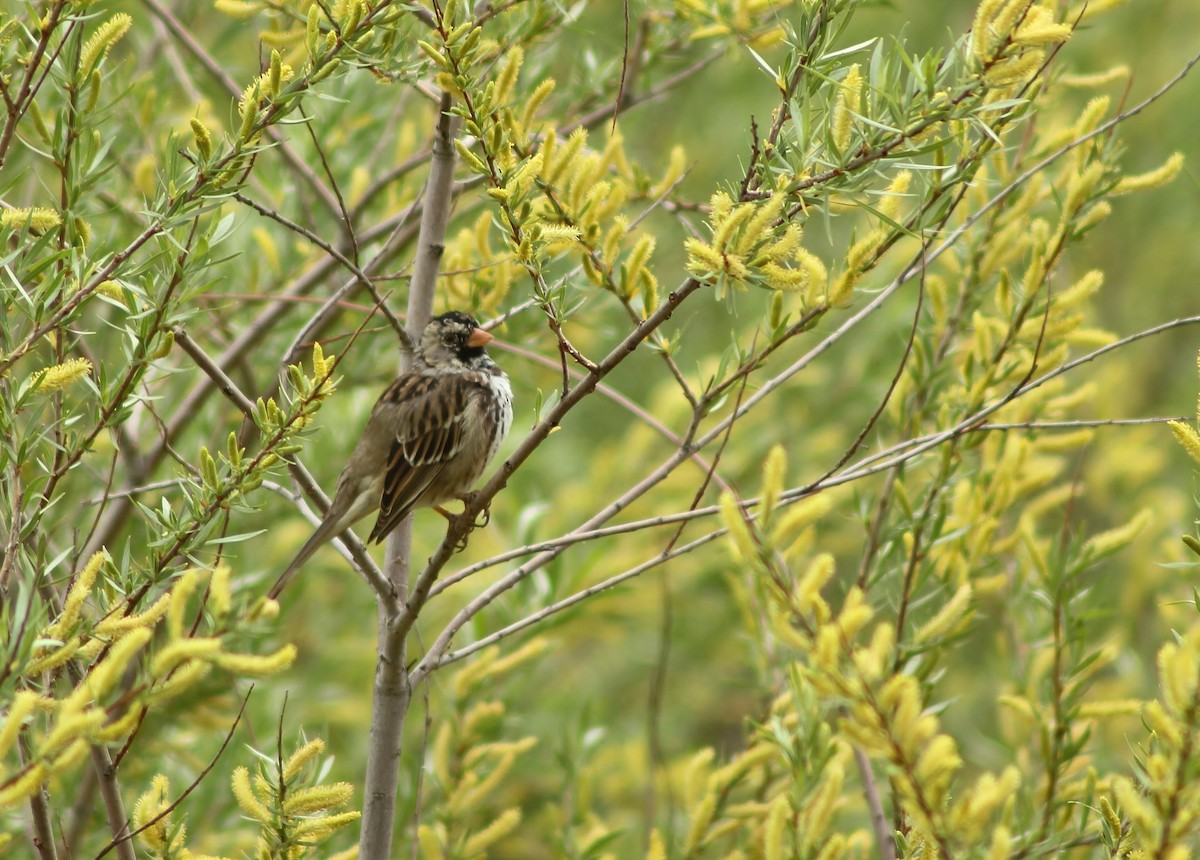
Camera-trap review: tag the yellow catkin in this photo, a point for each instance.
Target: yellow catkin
(240, 9)
(1016, 70)
(1001, 844)
(774, 846)
(657, 849)
(741, 542)
(116, 625)
(59, 376)
(1011, 14)
(53, 658)
(24, 703)
(38, 218)
(104, 676)
(247, 799)
(1114, 539)
(321, 828)
(507, 78)
(1111, 819)
(1162, 724)
(181, 651)
(798, 516)
(947, 618)
(121, 726)
(71, 727)
(696, 776)
(1177, 669)
(317, 798)
(470, 795)
(22, 788)
(821, 805)
(1097, 79)
(848, 103)
(1152, 179)
(1134, 805)
(1039, 28)
(981, 29)
(301, 757)
(529, 651)
(180, 592)
(743, 764)
(255, 664)
(890, 207)
(184, 678)
(97, 47)
(774, 472)
(499, 749)
(702, 818)
(152, 802)
(807, 595)
(1110, 708)
(855, 614)
(503, 825)
(431, 840)
(69, 759)
(81, 588)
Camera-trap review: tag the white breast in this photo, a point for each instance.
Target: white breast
(502, 390)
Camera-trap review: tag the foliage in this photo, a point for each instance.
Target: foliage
(818, 536)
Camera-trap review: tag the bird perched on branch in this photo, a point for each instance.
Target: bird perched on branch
(430, 436)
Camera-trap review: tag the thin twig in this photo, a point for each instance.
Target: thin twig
(125, 839)
(118, 513)
(950, 241)
(362, 277)
(39, 811)
(439, 654)
(618, 398)
(428, 664)
(358, 552)
(879, 821)
(294, 162)
(861, 469)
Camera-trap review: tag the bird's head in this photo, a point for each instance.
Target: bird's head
(451, 340)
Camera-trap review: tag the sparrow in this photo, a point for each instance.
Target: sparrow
(429, 437)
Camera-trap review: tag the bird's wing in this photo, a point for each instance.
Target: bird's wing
(427, 414)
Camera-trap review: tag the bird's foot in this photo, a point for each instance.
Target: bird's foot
(484, 517)
(453, 525)
(460, 522)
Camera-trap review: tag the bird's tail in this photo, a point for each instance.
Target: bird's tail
(348, 508)
(323, 533)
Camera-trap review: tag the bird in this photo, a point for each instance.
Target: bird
(428, 439)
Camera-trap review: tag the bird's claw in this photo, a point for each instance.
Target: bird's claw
(460, 522)
(461, 543)
(484, 517)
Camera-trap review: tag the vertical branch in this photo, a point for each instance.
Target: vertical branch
(114, 806)
(393, 686)
(39, 813)
(879, 820)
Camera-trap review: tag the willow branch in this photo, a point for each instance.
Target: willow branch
(393, 689)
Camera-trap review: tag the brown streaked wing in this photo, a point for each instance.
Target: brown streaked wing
(428, 416)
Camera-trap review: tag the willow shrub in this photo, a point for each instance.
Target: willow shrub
(825, 558)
